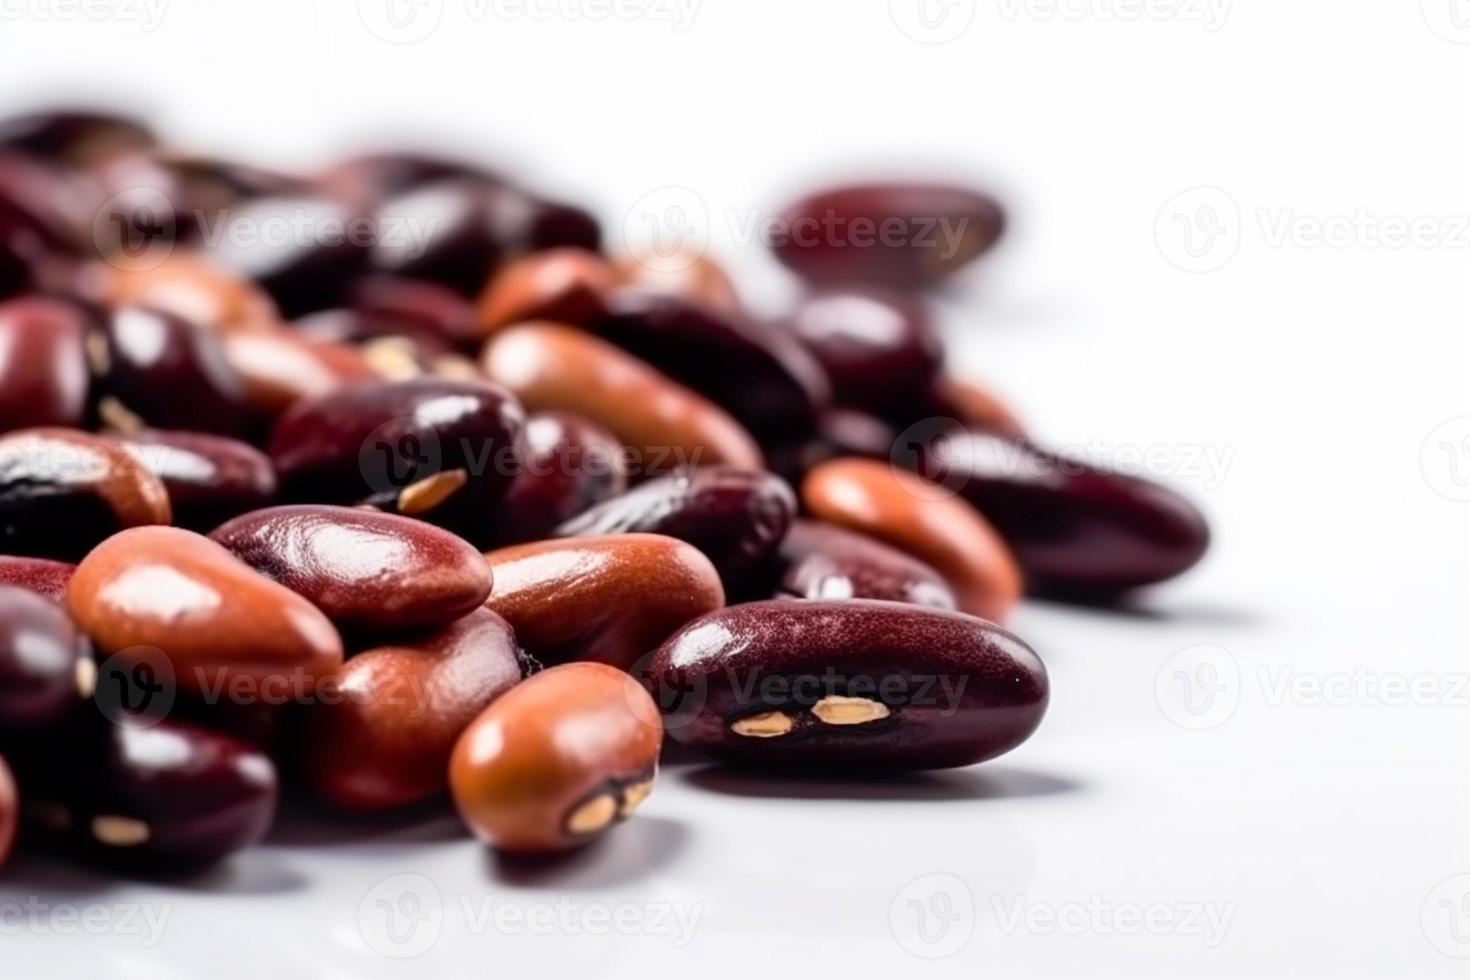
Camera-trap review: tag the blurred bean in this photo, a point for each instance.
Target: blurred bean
(209, 478)
(41, 575)
(564, 285)
(46, 664)
(823, 561)
(43, 364)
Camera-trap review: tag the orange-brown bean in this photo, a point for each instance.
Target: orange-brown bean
(568, 285)
(558, 760)
(189, 285)
(279, 366)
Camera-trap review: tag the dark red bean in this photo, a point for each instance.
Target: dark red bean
(43, 211)
(566, 465)
(856, 684)
(384, 725)
(75, 137)
(412, 306)
(209, 479)
(379, 175)
(9, 812)
(900, 235)
(736, 517)
(169, 373)
(881, 351)
(823, 561)
(43, 364)
(154, 800)
(206, 189)
(1075, 528)
(367, 571)
(41, 575)
(430, 448)
(45, 663)
(755, 371)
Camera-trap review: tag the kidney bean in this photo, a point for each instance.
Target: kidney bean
(384, 737)
(901, 235)
(551, 367)
(840, 432)
(186, 284)
(923, 519)
(43, 363)
(566, 465)
(208, 189)
(558, 760)
(378, 175)
(736, 517)
(281, 367)
(45, 663)
(40, 575)
(564, 285)
(9, 812)
(166, 798)
(164, 590)
(62, 491)
(852, 684)
(611, 599)
(388, 305)
(701, 282)
(428, 448)
(365, 570)
(881, 351)
(43, 210)
(209, 478)
(755, 371)
(975, 406)
(165, 371)
(1076, 528)
(823, 561)
(75, 137)
(458, 231)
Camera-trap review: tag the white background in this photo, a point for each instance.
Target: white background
(1297, 391)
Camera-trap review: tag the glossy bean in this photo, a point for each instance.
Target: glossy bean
(564, 285)
(9, 812)
(43, 364)
(976, 407)
(386, 721)
(367, 571)
(209, 478)
(823, 561)
(848, 685)
(388, 304)
(41, 575)
(207, 189)
(699, 280)
(165, 591)
(45, 663)
(552, 367)
(611, 599)
(62, 491)
(281, 367)
(558, 760)
(566, 464)
(189, 285)
(430, 448)
(900, 235)
(923, 519)
(735, 517)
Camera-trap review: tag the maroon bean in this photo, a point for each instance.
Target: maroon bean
(736, 517)
(428, 448)
(9, 812)
(824, 561)
(75, 137)
(43, 210)
(207, 189)
(413, 306)
(566, 465)
(854, 684)
(900, 235)
(41, 575)
(43, 364)
(209, 478)
(379, 175)
(365, 570)
(45, 663)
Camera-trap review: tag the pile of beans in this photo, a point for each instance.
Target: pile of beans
(489, 513)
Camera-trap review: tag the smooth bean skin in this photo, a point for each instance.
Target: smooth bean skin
(367, 571)
(564, 285)
(823, 561)
(387, 304)
(897, 235)
(63, 491)
(551, 367)
(558, 760)
(976, 407)
(701, 282)
(853, 684)
(282, 367)
(9, 812)
(428, 448)
(566, 465)
(41, 575)
(384, 738)
(43, 210)
(611, 599)
(1076, 529)
(166, 590)
(881, 350)
(43, 663)
(43, 364)
(925, 520)
(207, 189)
(75, 137)
(735, 517)
(209, 479)
(172, 797)
(757, 372)
(189, 285)
(171, 373)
